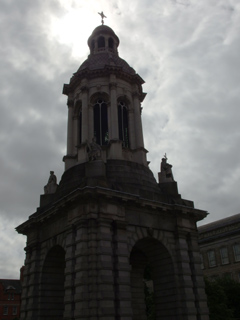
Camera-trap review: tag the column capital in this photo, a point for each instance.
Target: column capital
(113, 85)
(84, 89)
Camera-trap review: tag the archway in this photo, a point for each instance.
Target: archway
(52, 285)
(151, 257)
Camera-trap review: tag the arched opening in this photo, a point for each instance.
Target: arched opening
(100, 122)
(110, 43)
(123, 123)
(101, 42)
(152, 281)
(52, 285)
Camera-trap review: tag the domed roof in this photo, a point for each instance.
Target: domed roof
(104, 55)
(100, 30)
(99, 61)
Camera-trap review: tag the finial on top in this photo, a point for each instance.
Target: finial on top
(165, 156)
(102, 16)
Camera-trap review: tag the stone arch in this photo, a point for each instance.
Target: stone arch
(99, 95)
(125, 99)
(152, 254)
(52, 284)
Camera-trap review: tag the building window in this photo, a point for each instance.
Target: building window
(5, 310)
(236, 249)
(14, 310)
(101, 122)
(224, 255)
(123, 123)
(10, 296)
(211, 258)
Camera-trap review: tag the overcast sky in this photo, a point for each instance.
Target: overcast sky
(188, 53)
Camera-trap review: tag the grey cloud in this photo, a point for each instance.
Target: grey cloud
(188, 56)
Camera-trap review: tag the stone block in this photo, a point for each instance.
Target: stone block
(95, 169)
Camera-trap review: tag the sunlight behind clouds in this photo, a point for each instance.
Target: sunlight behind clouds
(72, 29)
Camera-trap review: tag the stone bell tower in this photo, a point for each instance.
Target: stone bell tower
(109, 236)
(104, 104)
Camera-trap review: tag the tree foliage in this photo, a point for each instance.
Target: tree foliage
(223, 296)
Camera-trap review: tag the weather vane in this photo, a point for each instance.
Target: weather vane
(165, 156)
(102, 16)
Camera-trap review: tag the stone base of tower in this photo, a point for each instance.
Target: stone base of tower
(87, 251)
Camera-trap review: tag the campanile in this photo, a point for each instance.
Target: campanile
(109, 238)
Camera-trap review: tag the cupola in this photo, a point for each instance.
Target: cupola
(102, 39)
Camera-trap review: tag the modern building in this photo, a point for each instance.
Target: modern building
(108, 221)
(219, 243)
(10, 299)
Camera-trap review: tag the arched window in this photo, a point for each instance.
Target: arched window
(123, 123)
(110, 43)
(101, 42)
(100, 122)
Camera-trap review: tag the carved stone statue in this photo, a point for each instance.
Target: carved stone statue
(94, 150)
(166, 174)
(51, 186)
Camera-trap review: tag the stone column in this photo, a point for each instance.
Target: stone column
(122, 272)
(106, 294)
(90, 122)
(114, 109)
(131, 128)
(138, 121)
(186, 297)
(70, 260)
(75, 132)
(31, 283)
(70, 128)
(197, 277)
(81, 279)
(84, 91)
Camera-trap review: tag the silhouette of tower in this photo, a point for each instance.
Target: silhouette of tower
(109, 235)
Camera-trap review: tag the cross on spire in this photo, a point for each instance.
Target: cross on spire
(102, 16)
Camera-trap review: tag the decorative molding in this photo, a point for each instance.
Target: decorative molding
(219, 231)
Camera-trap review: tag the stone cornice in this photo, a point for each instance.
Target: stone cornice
(219, 232)
(106, 71)
(97, 193)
